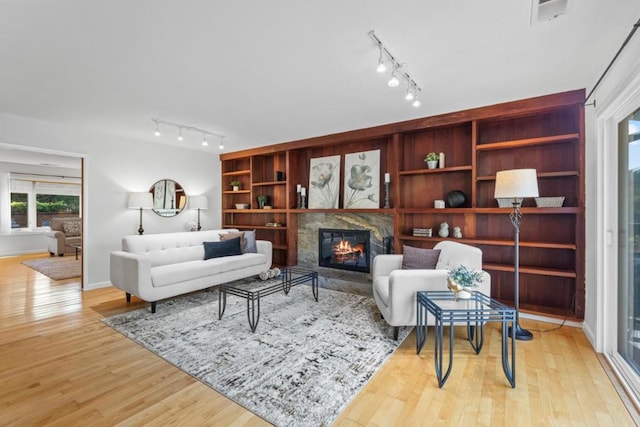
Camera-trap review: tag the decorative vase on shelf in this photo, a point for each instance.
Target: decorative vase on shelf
(236, 188)
(444, 230)
(432, 164)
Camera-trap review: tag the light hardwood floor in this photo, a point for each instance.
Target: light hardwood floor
(59, 365)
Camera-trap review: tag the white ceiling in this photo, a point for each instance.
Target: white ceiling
(263, 72)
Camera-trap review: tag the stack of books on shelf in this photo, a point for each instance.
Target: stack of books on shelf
(422, 232)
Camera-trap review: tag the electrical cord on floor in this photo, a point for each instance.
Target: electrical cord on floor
(573, 304)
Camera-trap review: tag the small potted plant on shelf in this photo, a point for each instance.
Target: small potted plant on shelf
(235, 184)
(262, 200)
(462, 281)
(432, 160)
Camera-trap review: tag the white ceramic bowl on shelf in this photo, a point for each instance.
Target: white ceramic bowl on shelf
(242, 206)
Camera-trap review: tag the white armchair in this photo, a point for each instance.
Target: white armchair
(394, 289)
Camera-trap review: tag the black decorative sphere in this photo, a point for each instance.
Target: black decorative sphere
(456, 199)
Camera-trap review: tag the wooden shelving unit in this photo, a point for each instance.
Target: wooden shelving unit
(545, 133)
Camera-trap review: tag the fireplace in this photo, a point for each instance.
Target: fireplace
(344, 249)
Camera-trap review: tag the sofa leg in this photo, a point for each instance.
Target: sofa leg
(153, 306)
(396, 329)
(128, 296)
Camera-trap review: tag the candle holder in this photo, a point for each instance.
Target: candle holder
(303, 202)
(299, 200)
(387, 199)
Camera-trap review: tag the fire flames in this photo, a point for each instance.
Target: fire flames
(343, 251)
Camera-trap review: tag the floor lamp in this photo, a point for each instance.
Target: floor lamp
(198, 202)
(517, 184)
(140, 200)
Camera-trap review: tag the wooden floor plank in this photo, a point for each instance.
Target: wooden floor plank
(59, 365)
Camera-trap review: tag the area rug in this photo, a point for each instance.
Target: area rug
(56, 268)
(303, 365)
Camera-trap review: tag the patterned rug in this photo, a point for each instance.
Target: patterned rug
(303, 365)
(56, 268)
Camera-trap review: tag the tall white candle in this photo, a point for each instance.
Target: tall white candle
(298, 188)
(303, 191)
(441, 161)
(387, 177)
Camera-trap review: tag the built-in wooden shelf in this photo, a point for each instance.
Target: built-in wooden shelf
(236, 192)
(529, 142)
(259, 184)
(530, 270)
(437, 170)
(254, 211)
(544, 133)
(493, 242)
(540, 175)
(236, 173)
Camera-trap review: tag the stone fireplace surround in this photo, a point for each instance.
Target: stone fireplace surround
(380, 226)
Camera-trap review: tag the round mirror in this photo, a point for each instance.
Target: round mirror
(169, 198)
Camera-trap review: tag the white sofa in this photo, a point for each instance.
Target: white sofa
(158, 266)
(394, 289)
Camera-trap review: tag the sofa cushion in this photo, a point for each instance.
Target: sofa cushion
(240, 234)
(71, 228)
(176, 255)
(418, 258)
(222, 248)
(171, 274)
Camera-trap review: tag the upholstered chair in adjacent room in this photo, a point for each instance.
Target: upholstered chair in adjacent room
(397, 278)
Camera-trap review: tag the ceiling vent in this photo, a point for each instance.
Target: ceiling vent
(546, 10)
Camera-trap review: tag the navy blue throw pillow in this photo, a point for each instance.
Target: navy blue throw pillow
(222, 248)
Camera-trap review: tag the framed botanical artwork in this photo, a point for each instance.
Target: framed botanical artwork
(361, 180)
(324, 182)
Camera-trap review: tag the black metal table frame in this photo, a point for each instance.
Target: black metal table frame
(480, 309)
(290, 276)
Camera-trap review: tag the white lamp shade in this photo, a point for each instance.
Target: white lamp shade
(516, 183)
(140, 200)
(198, 202)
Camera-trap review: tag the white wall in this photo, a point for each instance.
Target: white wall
(115, 166)
(601, 208)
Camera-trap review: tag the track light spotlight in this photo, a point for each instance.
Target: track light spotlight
(416, 103)
(157, 132)
(393, 81)
(204, 140)
(409, 96)
(221, 144)
(180, 137)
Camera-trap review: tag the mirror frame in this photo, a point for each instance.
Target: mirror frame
(164, 207)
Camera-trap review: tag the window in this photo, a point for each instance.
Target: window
(34, 202)
(19, 210)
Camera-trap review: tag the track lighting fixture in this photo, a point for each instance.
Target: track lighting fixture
(399, 71)
(182, 128)
(221, 145)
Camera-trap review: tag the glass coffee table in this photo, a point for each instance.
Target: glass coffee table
(474, 313)
(252, 292)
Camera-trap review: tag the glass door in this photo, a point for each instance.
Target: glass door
(629, 241)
